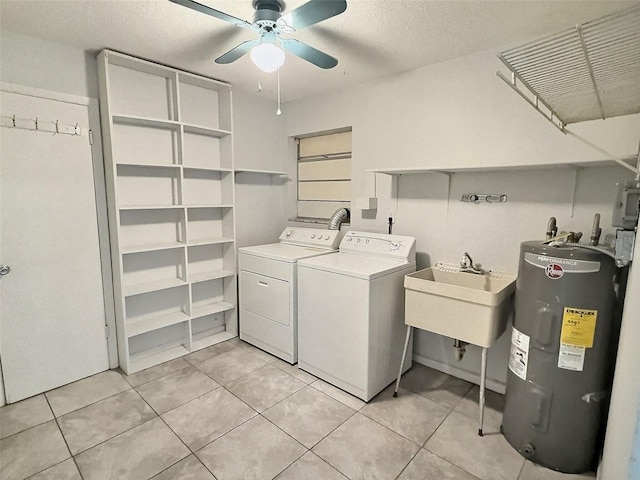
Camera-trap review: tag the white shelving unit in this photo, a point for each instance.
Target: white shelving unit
(171, 195)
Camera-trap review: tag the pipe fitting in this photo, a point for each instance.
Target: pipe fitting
(459, 349)
(552, 228)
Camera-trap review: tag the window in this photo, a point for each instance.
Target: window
(324, 174)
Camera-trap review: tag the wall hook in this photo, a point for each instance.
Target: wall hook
(36, 123)
(14, 119)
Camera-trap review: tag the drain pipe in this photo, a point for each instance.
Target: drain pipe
(337, 218)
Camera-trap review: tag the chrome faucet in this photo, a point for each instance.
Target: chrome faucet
(467, 266)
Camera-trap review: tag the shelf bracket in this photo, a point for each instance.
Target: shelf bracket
(613, 157)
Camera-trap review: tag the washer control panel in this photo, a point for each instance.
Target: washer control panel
(311, 237)
(396, 247)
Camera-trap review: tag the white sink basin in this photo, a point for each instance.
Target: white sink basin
(472, 308)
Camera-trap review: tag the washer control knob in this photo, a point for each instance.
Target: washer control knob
(394, 245)
(357, 240)
(349, 239)
(313, 236)
(327, 237)
(288, 233)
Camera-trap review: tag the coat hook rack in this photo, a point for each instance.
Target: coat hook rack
(35, 124)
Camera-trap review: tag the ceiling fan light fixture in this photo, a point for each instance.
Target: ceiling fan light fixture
(267, 57)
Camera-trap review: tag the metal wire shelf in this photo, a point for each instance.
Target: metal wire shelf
(591, 71)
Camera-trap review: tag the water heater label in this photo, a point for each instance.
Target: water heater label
(571, 357)
(578, 327)
(519, 355)
(555, 267)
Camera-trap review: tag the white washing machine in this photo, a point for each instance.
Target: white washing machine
(268, 288)
(351, 312)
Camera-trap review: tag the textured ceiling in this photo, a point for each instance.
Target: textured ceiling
(372, 39)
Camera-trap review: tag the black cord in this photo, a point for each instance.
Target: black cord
(390, 224)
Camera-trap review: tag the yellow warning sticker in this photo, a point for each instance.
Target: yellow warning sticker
(578, 327)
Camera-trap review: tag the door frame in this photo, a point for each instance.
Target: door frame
(101, 203)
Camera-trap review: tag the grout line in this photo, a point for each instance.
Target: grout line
(334, 429)
(451, 463)
(183, 403)
(438, 427)
(287, 434)
(92, 403)
(224, 434)
(164, 374)
(343, 391)
(111, 438)
(408, 463)
(521, 469)
(179, 438)
(64, 439)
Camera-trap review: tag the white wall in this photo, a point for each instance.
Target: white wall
(51, 66)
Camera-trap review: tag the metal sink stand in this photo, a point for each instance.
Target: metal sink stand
(483, 377)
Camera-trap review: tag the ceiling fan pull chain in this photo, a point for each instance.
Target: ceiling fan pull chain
(278, 112)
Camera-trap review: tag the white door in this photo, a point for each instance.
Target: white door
(52, 314)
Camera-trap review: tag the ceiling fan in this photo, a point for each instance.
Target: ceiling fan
(267, 51)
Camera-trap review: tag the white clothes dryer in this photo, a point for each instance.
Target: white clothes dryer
(351, 312)
(268, 288)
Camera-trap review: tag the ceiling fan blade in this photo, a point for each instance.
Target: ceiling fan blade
(198, 7)
(236, 52)
(309, 53)
(312, 12)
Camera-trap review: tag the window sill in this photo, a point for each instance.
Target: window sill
(319, 221)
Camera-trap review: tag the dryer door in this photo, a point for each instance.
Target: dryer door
(265, 296)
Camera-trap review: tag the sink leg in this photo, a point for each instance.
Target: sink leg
(404, 355)
(483, 377)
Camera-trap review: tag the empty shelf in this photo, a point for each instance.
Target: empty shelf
(591, 71)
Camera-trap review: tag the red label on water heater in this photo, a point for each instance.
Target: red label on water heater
(556, 267)
(554, 271)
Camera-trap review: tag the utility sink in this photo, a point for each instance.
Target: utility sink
(470, 307)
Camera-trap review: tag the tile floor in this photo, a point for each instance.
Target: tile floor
(232, 411)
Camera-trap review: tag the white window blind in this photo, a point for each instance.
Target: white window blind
(324, 174)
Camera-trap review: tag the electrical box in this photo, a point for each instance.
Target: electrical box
(627, 206)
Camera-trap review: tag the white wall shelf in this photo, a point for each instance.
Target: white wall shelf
(150, 247)
(212, 132)
(261, 172)
(155, 356)
(144, 121)
(449, 170)
(171, 194)
(212, 275)
(150, 324)
(139, 288)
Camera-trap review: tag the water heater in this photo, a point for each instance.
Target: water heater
(563, 348)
